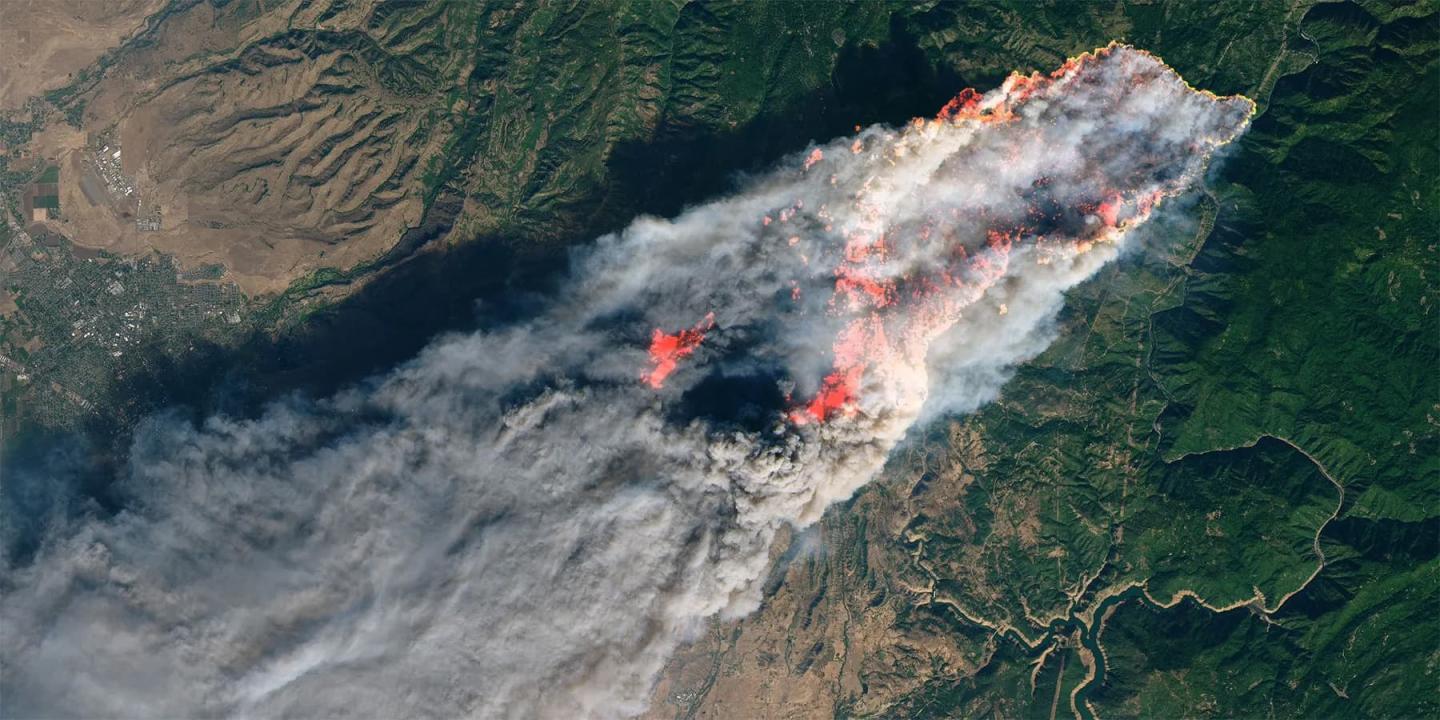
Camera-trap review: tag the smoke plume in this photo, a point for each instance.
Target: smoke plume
(525, 522)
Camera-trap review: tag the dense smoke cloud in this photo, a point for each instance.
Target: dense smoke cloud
(523, 523)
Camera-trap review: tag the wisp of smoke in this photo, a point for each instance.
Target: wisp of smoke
(524, 523)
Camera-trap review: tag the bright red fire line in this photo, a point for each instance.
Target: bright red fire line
(668, 349)
(888, 330)
(893, 320)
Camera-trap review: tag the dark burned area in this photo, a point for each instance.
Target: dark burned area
(737, 392)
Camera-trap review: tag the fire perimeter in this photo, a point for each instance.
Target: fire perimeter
(896, 284)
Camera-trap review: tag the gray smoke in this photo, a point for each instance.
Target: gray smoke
(513, 524)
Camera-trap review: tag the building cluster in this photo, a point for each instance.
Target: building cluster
(85, 320)
(105, 155)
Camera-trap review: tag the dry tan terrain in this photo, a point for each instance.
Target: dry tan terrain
(829, 634)
(44, 42)
(267, 149)
(282, 137)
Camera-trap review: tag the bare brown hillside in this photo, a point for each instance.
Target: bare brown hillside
(273, 149)
(44, 43)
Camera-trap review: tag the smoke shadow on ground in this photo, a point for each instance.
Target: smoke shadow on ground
(892, 82)
(428, 287)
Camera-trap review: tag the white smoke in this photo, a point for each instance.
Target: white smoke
(512, 524)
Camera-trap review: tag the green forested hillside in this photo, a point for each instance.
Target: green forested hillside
(1224, 478)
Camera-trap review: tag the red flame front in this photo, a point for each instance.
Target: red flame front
(668, 349)
(891, 308)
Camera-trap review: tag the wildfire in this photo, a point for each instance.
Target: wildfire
(1109, 210)
(890, 306)
(668, 349)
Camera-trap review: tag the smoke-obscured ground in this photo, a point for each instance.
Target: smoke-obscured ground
(524, 523)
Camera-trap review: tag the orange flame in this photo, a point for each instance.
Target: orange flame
(668, 349)
(890, 321)
(934, 303)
